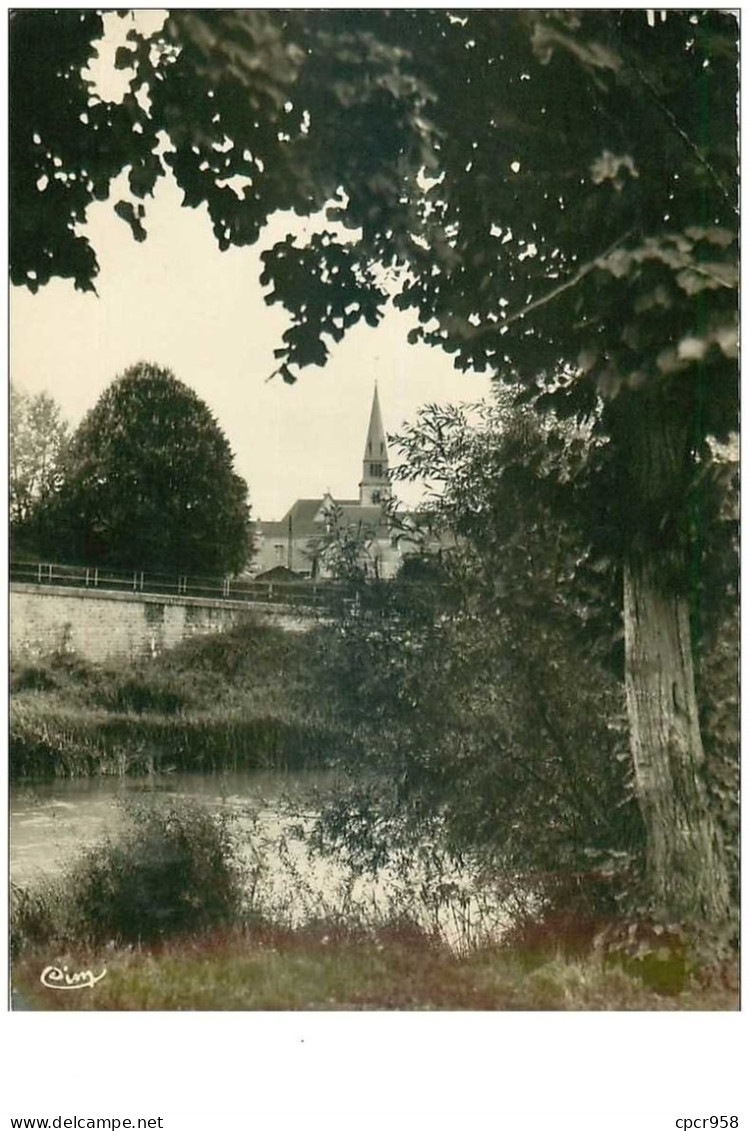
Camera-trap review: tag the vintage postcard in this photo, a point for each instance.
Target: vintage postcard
(373, 562)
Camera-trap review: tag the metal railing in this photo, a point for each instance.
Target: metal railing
(301, 593)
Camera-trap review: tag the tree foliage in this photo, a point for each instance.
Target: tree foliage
(608, 214)
(546, 189)
(530, 500)
(488, 694)
(344, 551)
(493, 724)
(527, 499)
(66, 144)
(149, 483)
(554, 193)
(38, 436)
(533, 500)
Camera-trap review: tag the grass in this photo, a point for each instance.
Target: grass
(56, 740)
(246, 699)
(166, 909)
(313, 969)
(241, 699)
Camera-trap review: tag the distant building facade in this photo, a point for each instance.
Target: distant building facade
(311, 533)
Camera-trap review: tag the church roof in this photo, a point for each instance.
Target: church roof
(368, 516)
(307, 517)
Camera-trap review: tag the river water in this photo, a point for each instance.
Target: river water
(51, 822)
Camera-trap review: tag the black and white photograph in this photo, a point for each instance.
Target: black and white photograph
(373, 518)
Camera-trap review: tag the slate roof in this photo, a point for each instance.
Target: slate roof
(367, 516)
(303, 512)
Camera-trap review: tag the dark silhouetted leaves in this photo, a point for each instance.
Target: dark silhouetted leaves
(148, 483)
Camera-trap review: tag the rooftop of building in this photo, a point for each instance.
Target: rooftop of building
(307, 517)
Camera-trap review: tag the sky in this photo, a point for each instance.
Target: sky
(177, 301)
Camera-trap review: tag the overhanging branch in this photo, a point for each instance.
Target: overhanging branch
(544, 300)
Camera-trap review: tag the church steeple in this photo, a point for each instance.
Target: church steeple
(375, 486)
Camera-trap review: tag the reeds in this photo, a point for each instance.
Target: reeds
(235, 702)
(181, 918)
(66, 742)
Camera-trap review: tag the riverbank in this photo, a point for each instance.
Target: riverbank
(145, 905)
(239, 700)
(169, 914)
(324, 968)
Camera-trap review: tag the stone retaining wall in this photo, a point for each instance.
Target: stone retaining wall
(100, 625)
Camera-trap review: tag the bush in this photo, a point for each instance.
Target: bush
(138, 692)
(494, 733)
(50, 673)
(36, 914)
(174, 871)
(141, 687)
(33, 677)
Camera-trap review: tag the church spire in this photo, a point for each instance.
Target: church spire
(375, 447)
(375, 485)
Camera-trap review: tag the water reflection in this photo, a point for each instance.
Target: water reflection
(50, 823)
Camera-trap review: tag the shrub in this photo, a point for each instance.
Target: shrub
(50, 673)
(138, 692)
(32, 677)
(493, 733)
(36, 914)
(173, 871)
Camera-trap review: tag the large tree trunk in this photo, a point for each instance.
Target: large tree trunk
(686, 864)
